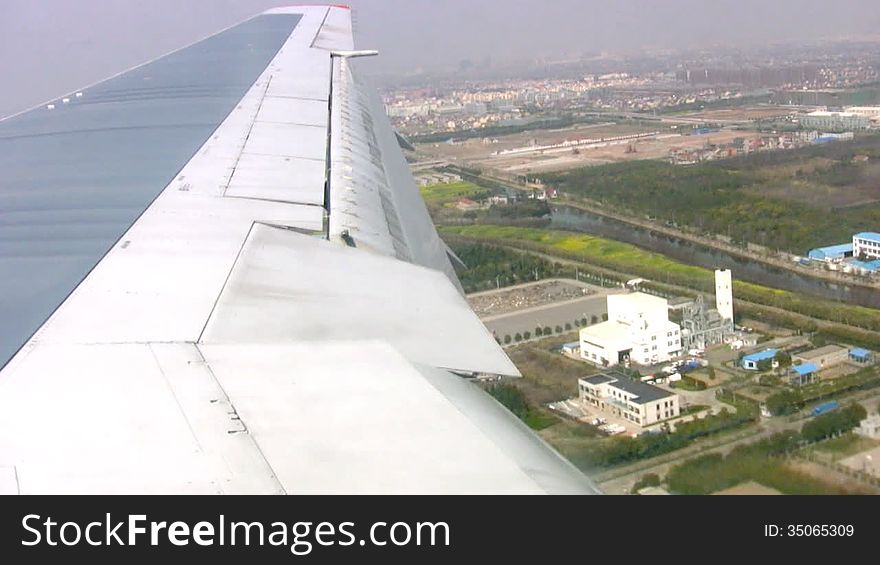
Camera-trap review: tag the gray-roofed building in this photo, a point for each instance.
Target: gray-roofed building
(826, 356)
(619, 395)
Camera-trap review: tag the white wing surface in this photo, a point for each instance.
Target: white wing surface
(218, 276)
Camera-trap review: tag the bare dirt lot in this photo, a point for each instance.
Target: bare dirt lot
(867, 461)
(530, 295)
(837, 371)
(850, 484)
(748, 488)
(657, 147)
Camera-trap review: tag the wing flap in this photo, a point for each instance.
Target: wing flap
(288, 287)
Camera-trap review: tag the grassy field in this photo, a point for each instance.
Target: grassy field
(627, 258)
(547, 376)
(445, 193)
(711, 473)
(845, 445)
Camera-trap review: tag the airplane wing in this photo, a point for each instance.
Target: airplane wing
(218, 276)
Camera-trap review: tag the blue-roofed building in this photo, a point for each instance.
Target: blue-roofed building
(571, 348)
(831, 252)
(866, 244)
(803, 374)
(867, 266)
(860, 355)
(750, 362)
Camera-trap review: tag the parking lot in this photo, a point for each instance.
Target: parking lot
(529, 295)
(550, 303)
(551, 315)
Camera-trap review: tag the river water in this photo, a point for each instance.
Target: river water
(565, 217)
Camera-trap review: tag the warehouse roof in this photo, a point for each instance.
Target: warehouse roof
(859, 353)
(598, 379)
(831, 251)
(643, 391)
(867, 265)
(761, 355)
(870, 235)
(607, 331)
(805, 369)
(820, 352)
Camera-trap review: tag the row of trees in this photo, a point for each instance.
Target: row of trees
(489, 267)
(547, 331)
(619, 450)
(833, 423)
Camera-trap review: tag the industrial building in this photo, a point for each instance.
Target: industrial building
(619, 395)
(869, 427)
(750, 362)
(436, 177)
(823, 357)
(835, 121)
(680, 303)
(866, 244)
(865, 267)
(870, 112)
(859, 355)
(832, 252)
(861, 256)
(702, 326)
(803, 374)
(638, 330)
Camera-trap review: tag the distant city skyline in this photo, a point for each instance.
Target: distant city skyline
(54, 46)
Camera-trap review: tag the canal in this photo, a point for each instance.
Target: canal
(575, 219)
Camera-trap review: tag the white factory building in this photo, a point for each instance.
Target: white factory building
(836, 121)
(638, 329)
(724, 293)
(866, 244)
(635, 401)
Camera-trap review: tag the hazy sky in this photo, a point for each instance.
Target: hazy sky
(49, 47)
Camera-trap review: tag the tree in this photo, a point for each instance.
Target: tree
(548, 330)
(833, 423)
(527, 335)
(765, 364)
(783, 402)
(559, 329)
(783, 358)
(584, 321)
(711, 373)
(649, 480)
(538, 331)
(594, 319)
(568, 327)
(507, 338)
(605, 317)
(517, 337)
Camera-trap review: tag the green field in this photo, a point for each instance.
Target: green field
(445, 193)
(626, 258)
